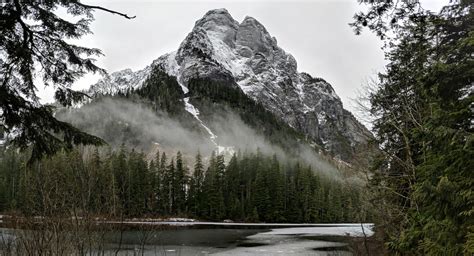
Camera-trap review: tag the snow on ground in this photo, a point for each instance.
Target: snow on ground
(195, 112)
(289, 241)
(286, 246)
(190, 108)
(283, 228)
(353, 230)
(181, 220)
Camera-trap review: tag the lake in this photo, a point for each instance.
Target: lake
(209, 238)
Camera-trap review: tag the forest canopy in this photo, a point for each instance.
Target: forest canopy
(117, 184)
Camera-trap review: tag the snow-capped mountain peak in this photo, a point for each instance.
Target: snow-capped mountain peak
(247, 56)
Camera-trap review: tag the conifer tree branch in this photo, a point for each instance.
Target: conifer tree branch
(105, 10)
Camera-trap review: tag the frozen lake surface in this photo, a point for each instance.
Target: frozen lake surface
(242, 239)
(178, 238)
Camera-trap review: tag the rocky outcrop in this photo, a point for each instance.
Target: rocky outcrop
(247, 56)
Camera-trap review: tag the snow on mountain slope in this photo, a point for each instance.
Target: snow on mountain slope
(171, 67)
(122, 80)
(246, 55)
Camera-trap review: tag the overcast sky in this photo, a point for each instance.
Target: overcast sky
(315, 32)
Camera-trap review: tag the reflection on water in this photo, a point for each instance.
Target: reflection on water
(230, 240)
(182, 241)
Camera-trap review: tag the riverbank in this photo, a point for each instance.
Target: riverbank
(10, 221)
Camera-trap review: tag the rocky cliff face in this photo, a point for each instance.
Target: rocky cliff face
(248, 57)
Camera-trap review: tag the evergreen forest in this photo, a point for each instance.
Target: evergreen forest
(124, 184)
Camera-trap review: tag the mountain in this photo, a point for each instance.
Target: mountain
(245, 57)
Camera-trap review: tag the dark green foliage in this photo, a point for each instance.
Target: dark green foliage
(213, 188)
(250, 187)
(207, 93)
(139, 181)
(196, 199)
(214, 99)
(179, 183)
(34, 42)
(424, 122)
(163, 91)
(168, 188)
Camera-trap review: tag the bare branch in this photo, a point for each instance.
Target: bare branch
(106, 10)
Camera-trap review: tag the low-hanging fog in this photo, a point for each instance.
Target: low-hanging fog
(136, 125)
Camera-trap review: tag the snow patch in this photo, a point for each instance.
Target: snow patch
(225, 55)
(466, 92)
(190, 108)
(180, 220)
(300, 91)
(195, 112)
(321, 117)
(171, 66)
(356, 230)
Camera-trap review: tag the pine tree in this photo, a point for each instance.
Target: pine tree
(163, 186)
(33, 35)
(423, 122)
(168, 188)
(232, 189)
(120, 167)
(277, 192)
(252, 187)
(197, 200)
(180, 183)
(100, 181)
(262, 195)
(213, 187)
(293, 211)
(155, 184)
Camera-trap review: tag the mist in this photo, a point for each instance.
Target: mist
(232, 130)
(137, 125)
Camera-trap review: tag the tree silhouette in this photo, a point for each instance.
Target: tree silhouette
(34, 45)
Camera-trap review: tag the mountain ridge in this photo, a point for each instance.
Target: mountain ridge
(247, 57)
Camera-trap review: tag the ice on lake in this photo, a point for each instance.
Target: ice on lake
(182, 238)
(252, 239)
